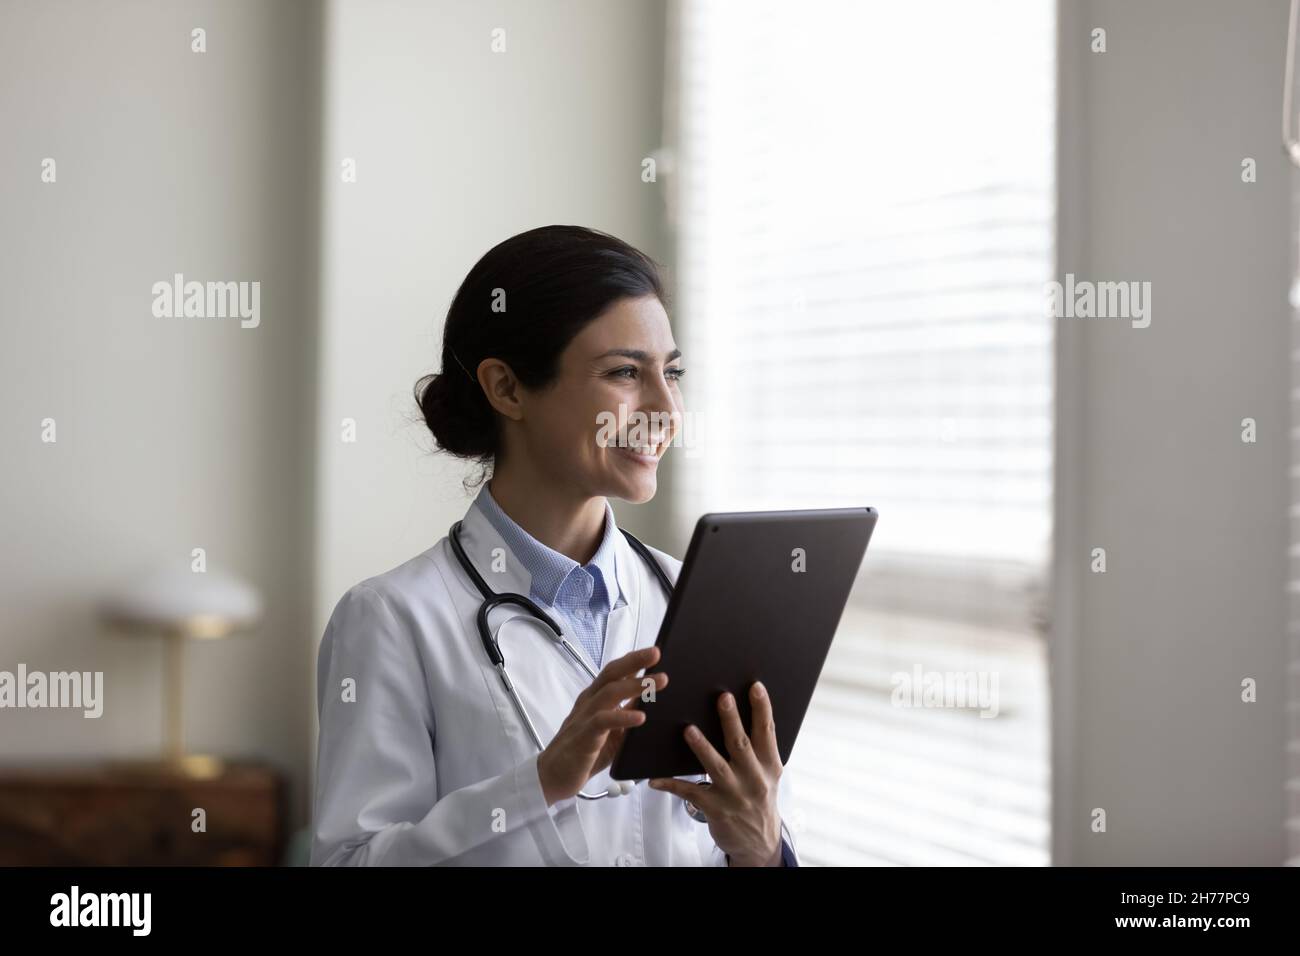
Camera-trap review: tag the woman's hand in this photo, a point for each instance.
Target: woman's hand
(741, 802)
(590, 736)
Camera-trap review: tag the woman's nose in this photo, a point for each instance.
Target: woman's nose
(660, 405)
(660, 395)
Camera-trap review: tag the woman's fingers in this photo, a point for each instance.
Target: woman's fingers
(621, 667)
(715, 765)
(589, 736)
(606, 712)
(617, 717)
(592, 734)
(763, 733)
(606, 756)
(603, 710)
(699, 794)
(614, 693)
(736, 737)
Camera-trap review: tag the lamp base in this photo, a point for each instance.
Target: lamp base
(193, 766)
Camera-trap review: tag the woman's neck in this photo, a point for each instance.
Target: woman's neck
(564, 522)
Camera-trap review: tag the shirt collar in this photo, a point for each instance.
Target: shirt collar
(549, 568)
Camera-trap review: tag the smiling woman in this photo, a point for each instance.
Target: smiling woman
(530, 379)
(432, 750)
(513, 319)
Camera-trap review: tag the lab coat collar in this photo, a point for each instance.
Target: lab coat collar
(481, 540)
(557, 567)
(502, 571)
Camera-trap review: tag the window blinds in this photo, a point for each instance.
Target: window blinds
(862, 200)
(864, 216)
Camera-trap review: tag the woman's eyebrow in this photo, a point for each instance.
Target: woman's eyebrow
(639, 354)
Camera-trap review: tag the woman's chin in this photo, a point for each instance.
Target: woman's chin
(636, 489)
(641, 494)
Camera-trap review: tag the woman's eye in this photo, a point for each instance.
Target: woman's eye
(630, 371)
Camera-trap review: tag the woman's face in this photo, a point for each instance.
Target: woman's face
(616, 387)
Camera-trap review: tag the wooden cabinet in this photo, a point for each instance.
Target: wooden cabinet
(105, 815)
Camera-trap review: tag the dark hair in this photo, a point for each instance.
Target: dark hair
(554, 280)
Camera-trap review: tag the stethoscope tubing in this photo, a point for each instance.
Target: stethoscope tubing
(493, 600)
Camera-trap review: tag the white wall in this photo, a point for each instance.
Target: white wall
(175, 435)
(172, 433)
(457, 148)
(1148, 657)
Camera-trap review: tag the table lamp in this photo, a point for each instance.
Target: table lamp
(180, 604)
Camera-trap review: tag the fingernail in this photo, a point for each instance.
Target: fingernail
(759, 689)
(692, 731)
(727, 702)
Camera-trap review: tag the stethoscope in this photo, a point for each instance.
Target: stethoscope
(493, 600)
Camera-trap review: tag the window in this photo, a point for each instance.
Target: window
(862, 199)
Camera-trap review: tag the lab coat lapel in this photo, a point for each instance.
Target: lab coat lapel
(624, 633)
(488, 551)
(543, 675)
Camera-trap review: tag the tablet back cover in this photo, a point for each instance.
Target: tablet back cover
(760, 597)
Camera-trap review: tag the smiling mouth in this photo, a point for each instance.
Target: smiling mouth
(644, 454)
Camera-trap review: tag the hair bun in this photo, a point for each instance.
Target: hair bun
(456, 413)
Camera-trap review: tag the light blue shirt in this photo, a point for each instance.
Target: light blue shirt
(580, 596)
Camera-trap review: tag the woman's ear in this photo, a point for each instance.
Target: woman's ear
(501, 388)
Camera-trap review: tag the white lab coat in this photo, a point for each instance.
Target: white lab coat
(430, 764)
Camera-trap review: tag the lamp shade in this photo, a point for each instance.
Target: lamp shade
(209, 604)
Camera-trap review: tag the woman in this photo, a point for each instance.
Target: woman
(423, 756)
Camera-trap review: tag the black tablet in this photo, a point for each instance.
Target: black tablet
(759, 597)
